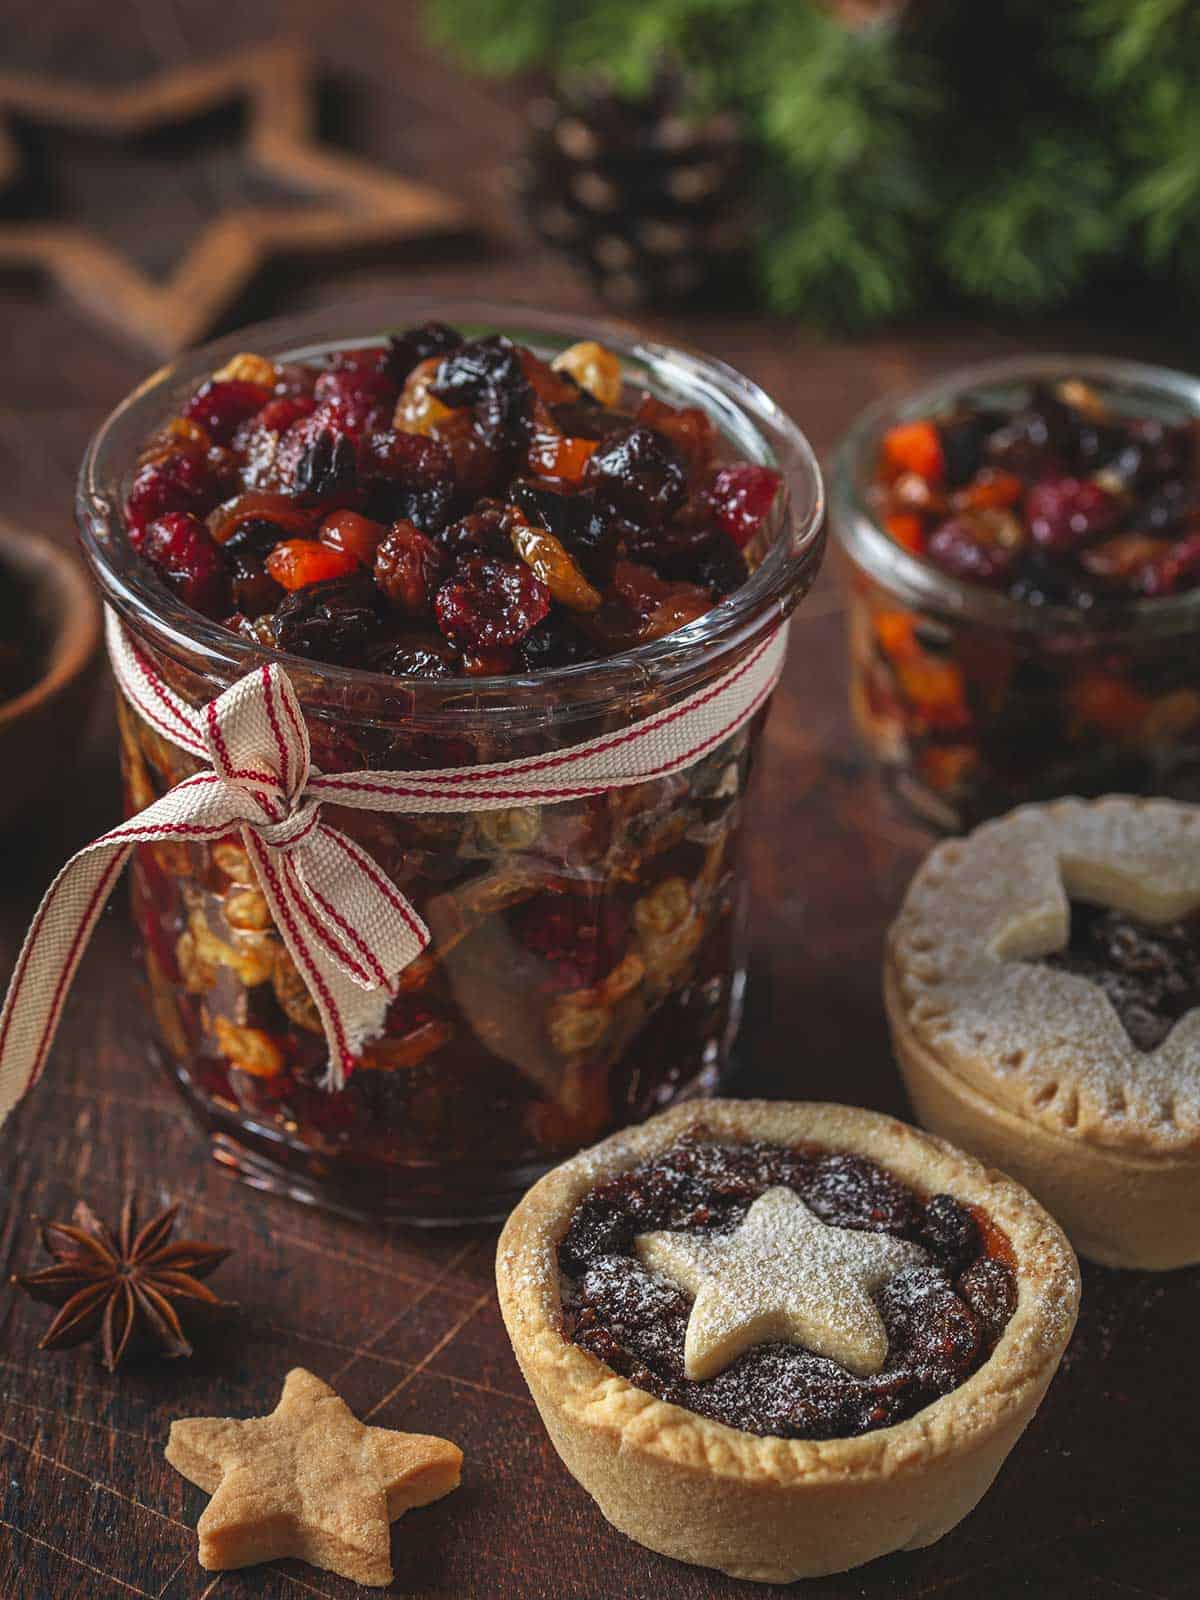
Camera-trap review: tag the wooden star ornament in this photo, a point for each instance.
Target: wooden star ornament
(310, 1481)
(357, 204)
(781, 1274)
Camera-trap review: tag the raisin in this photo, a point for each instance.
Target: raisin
(254, 591)
(486, 531)
(327, 466)
(659, 607)
(639, 474)
(929, 1328)
(704, 556)
(414, 345)
(851, 1192)
(982, 546)
(989, 1288)
(335, 621)
(409, 478)
(950, 1233)
(556, 642)
(408, 567)
(426, 656)
(490, 602)
(963, 439)
(577, 520)
(181, 548)
(488, 376)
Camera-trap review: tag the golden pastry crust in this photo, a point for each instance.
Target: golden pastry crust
(1046, 1044)
(779, 1509)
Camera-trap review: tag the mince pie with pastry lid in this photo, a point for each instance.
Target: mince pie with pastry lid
(782, 1340)
(1043, 988)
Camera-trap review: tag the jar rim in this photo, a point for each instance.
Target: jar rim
(754, 424)
(918, 582)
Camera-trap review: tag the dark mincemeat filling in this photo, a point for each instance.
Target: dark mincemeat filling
(942, 1319)
(1151, 973)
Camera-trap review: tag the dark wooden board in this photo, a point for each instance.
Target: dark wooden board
(1098, 1498)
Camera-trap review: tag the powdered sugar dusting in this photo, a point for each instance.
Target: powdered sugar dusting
(1048, 1042)
(781, 1274)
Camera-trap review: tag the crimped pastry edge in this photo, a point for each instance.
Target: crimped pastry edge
(1008, 1385)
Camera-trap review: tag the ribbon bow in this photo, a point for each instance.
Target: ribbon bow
(347, 927)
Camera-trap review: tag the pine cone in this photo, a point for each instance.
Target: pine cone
(647, 200)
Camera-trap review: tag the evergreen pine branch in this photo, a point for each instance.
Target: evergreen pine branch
(1028, 236)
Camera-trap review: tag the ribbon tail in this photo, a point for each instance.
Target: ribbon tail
(53, 947)
(370, 930)
(350, 1014)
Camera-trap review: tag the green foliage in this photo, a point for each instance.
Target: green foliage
(1010, 151)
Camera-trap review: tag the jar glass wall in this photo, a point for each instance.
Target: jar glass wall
(588, 958)
(973, 702)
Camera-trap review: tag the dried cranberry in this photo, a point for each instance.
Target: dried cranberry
(490, 602)
(182, 549)
(356, 385)
(278, 415)
(408, 568)
(640, 475)
(740, 497)
(181, 481)
(1065, 512)
(406, 350)
(220, 405)
(334, 621)
(579, 939)
(487, 375)
(982, 546)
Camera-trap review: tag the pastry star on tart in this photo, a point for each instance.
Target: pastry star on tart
(783, 1339)
(1043, 989)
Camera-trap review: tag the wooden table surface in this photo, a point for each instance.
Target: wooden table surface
(1098, 1499)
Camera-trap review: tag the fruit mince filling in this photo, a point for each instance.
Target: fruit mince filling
(435, 506)
(1060, 501)
(1150, 972)
(943, 1318)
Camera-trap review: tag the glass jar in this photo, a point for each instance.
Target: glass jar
(588, 958)
(973, 702)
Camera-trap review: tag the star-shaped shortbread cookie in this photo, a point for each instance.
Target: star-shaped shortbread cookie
(782, 1274)
(310, 1481)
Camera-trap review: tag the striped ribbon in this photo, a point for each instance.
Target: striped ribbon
(346, 925)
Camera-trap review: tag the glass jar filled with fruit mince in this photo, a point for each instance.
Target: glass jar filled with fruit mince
(1023, 558)
(483, 537)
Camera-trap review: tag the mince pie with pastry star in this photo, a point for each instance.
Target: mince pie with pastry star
(781, 1340)
(1043, 989)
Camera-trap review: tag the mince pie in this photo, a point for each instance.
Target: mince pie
(1043, 988)
(783, 1339)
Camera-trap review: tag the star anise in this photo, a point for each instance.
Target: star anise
(123, 1285)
